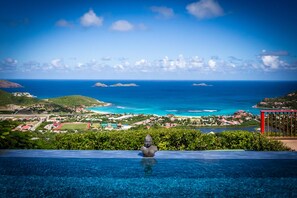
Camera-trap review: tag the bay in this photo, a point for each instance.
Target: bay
(164, 97)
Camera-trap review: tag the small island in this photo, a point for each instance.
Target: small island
(201, 85)
(288, 101)
(8, 84)
(98, 84)
(124, 85)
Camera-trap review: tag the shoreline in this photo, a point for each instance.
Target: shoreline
(158, 115)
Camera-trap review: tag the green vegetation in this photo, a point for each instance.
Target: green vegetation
(74, 126)
(168, 139)
(288, 102)
(164, 139)
(7, 98)
(75, 100)
(249, 141)
(34, 105)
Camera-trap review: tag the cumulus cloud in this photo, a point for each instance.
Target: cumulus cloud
(57, 62)
(141, 62)
(163, 11)
(205, 9)
(212, 64)
(180, 63)
(272, 62)
(90, 19)
(196, 62)
(122, 25)
(63, 23)
(119, 67)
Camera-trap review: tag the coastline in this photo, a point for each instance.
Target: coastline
(164, 97)
(96, 109)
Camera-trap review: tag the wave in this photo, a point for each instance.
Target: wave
(121, 107)
(210, 110)
(171, 110)
(195, 111)
(204, 110)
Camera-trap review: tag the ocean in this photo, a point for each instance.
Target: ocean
(180, 98)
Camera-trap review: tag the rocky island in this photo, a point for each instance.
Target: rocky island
(201, 85)
(8, 84)
(124, 85)
(98, 84)
(288, 101)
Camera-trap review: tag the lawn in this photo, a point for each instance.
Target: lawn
(74, 126)
(96, 125)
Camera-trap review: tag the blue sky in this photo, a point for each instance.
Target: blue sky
(148, 39)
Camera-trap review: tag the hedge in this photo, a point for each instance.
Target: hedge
(167, 139)
(164, 139)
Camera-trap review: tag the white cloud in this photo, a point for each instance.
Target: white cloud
(56, 62)
(171, 65)
(272, 62)
(63, 23)
(122, 25)
(10, 61)
(141, 62)
(8, 64)
(119, 67)
(163, 11)
(212, 64)
(196, 62)
(91, 19)
(205, 9)
(181, 62)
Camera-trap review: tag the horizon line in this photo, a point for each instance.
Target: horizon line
(147, 79)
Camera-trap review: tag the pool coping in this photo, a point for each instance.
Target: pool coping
(209, 154)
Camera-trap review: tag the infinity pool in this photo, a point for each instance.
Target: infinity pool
(40, 173)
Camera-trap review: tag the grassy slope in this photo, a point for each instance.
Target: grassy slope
(75, 100)
(65, 101)
(7, 98)
(71, 126)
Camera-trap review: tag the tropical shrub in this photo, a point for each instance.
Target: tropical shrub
(167, 139)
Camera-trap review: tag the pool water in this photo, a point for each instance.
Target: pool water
(201, 174)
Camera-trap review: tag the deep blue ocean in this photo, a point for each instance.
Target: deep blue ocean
(165, 97)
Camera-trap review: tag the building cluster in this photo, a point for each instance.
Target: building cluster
(25, 94)
(99, 122)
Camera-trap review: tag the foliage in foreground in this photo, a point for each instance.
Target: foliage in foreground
(164, 139)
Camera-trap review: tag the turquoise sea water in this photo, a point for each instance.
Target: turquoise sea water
(165, 97)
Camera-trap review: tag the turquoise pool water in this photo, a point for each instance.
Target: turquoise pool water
(39, 173)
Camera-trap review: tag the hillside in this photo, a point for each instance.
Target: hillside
(8, 84)
(75, 100)
(34, 105)
(7, 98)
(288, 101)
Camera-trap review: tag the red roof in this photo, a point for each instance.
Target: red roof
(26, 127)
